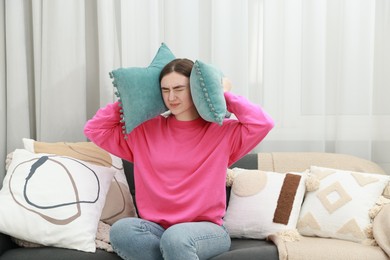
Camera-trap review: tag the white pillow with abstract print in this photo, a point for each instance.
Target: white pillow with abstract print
(119, 202)
(53, 200)
(263, 203)
(340, 207)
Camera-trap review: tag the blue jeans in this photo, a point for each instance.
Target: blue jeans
(135, 238)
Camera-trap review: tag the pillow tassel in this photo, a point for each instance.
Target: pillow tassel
(117, 94)
(368, 231)
(386, 192)
(8, 160)
(312, 183)
(291, 235)
(230, 175)
(122, 116)
(378, 206)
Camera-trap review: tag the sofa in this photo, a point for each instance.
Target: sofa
(245, 248)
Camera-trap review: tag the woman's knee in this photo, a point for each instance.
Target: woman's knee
(172, 236)
(174, 243)
(120, 230)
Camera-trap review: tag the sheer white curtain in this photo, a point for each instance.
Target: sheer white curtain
(319, 67)
(326, 77)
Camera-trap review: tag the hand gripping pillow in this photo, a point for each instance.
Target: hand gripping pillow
(207, 92)
(139, 91)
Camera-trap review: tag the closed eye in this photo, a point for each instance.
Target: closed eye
(175, 89)
(180, 88)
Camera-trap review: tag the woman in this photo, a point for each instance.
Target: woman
(180, 164)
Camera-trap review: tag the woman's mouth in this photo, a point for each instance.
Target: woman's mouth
(174, 105)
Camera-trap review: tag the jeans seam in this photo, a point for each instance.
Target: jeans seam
(143, 226)
(118, 252)
(210, 236)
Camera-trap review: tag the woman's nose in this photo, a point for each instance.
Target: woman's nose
(171, 95)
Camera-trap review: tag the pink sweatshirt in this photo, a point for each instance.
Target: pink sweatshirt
(180, 166)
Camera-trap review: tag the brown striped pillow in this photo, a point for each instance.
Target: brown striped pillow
(263, 203)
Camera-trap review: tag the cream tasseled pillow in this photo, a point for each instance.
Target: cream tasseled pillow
(340, 207)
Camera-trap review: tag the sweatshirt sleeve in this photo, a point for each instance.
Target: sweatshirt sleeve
(105, 130)
(251, 127)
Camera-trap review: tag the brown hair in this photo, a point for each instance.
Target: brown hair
(181, 66)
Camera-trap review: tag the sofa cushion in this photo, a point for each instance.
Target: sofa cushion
(262, 203)
(340, 207)
(52, 253)
(6, 243)
(249, 249)
(318, 248)
(53, 200)
(139, 89)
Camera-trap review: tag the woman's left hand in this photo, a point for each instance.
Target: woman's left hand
(227, 84)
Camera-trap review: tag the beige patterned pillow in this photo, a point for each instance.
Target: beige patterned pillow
(340, 207)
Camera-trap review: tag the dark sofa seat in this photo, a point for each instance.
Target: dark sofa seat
(241, 249)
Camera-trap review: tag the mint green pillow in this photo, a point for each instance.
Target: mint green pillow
(139, 90)
(207, 92)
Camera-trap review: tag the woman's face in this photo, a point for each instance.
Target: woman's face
(176, 93)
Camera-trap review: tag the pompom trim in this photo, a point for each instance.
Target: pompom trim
(122, 121)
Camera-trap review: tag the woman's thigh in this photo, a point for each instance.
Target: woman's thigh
(194, 240)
